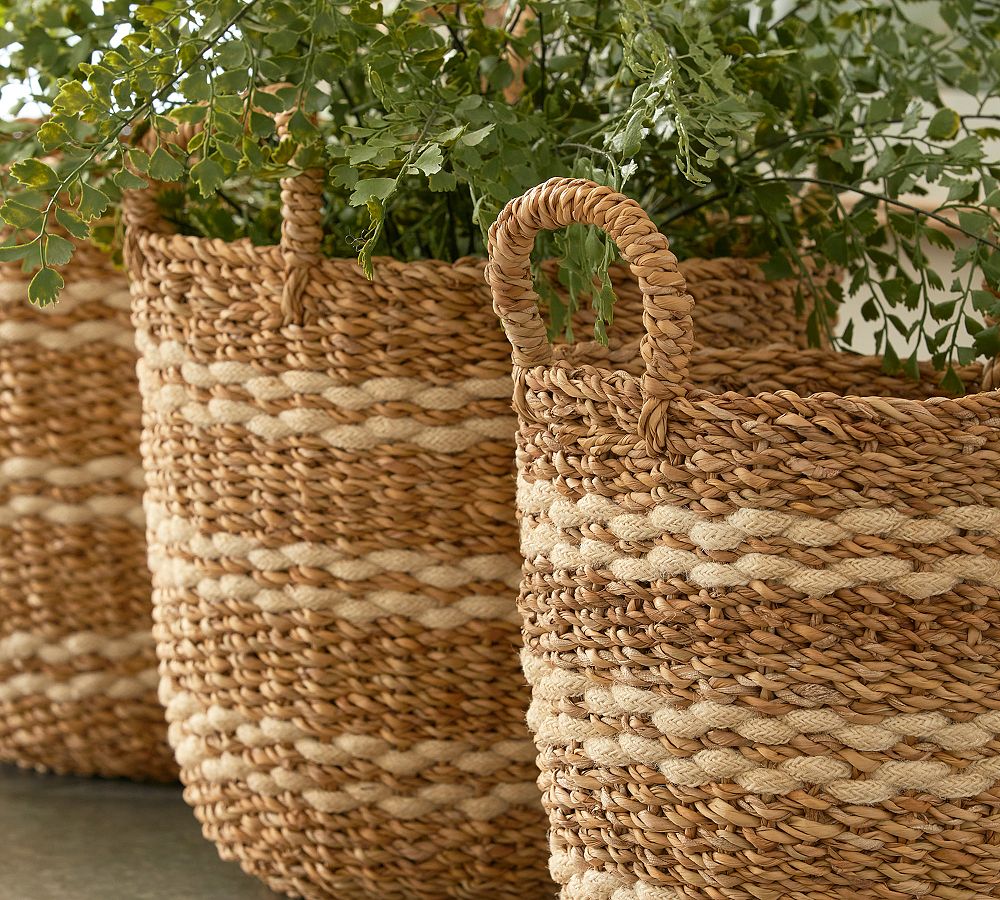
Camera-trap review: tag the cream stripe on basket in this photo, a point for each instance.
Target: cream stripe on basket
(551, 685)
(96, 507)
(79, 291)
(79, 687)
(23, 645)
(301, 382)
(194, 731)
(58, 474)
(180, 550)
(562, 542)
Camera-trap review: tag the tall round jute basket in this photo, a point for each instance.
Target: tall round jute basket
(761, 612)
(77, 661)
(333, 542)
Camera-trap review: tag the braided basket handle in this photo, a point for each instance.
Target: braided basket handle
(301, 218)
(559, 202)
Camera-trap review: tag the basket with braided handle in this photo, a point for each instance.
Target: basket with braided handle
(761, 619)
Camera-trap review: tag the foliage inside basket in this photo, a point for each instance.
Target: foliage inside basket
(773, 129)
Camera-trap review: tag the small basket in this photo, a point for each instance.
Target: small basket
(77, 661)
(760, 600)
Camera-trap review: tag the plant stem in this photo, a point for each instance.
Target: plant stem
(902, 204)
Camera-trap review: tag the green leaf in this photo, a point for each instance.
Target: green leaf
(53, 135)
(370, 189)
(890, 360)
(474, 138)
(72, 223)
(72, 98)
(442, 181)
(301, 127)
(163, 167)
(129, 181)
(151, 14)
(21, 216)
(14, 252)
(772, 197)
(45, 287)
(952, 384)
(139, 160)
(430, 160)
(835, 248)
(93, 203)
(271, 103)
(988, 342)
(35, 174)
(944, 125)
(208, 175)
(58, 251)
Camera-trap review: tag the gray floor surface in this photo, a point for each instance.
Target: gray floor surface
(80, 839)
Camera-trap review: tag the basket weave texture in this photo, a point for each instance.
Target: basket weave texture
(77, 660)
(334, 547)
(761, 612)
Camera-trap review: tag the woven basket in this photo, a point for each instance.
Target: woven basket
(761, 625)
(77, 661)
(331, 523)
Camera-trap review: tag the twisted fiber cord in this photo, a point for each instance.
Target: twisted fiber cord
(667, 343)
(766, 736)
(77, 662)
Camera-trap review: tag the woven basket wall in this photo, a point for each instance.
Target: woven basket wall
(761, 609)
(77, 661)
(331, 523)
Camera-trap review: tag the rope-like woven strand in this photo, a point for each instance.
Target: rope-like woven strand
(559, 202)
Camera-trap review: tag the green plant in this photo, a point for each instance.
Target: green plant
(771, 129)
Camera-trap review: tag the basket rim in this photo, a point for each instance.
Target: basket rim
(168, 243)
(582, 376)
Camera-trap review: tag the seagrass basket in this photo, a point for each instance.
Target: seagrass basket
(77, 661)
(333, 542)
(760, 600)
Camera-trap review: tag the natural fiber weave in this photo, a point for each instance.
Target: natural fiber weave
(331, 525)
(77, 662)
(761, 624)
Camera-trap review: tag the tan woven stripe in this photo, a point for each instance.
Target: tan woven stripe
(727, 533)
(79, 687)
(99, 507)
(26, 468)
(22, 645)
(299, 382)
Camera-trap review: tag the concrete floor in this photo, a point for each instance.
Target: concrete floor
(79, 839)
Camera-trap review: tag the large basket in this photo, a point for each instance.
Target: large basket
(333, 541)
(761, 625)
(77, 662)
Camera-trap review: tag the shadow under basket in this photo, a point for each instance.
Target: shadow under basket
(334, 550)
(760, 602)
(77, 660)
